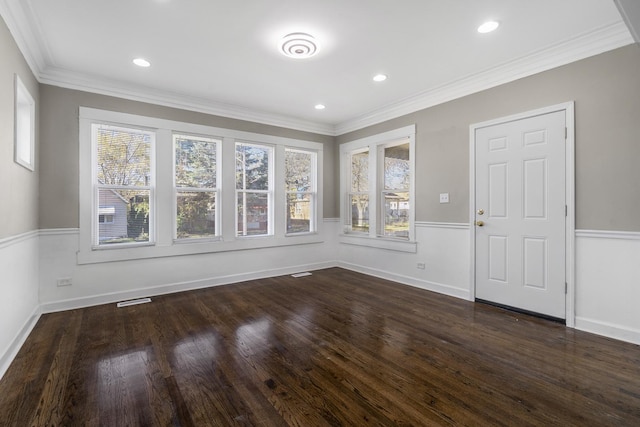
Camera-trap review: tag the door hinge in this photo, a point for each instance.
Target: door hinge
(566, 133)
(566, 210)
(566, 287)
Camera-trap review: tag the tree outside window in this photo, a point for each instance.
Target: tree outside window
(196, 182)
(395, 194)
(124, 181)
(300, 190)
(359, 191)
(253, 189)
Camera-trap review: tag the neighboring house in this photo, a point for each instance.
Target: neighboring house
(112, 215)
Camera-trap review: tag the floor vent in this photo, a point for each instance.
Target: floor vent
(306, 273)
(133, 302)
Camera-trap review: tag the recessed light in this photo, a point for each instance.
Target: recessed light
(141, 62)
(488, 26)
(298, 45)
(379, 77)
(320, 107)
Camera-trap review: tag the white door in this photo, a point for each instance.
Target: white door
(520, 214)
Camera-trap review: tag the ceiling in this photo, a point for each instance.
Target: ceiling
(222, 57)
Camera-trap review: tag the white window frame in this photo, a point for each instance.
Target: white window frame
(375, 144)
(24, 126)
(165, 245)
(313, 192)
(216, 190)
(269, 191)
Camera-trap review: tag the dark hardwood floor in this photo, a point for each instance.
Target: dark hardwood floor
(336, 348)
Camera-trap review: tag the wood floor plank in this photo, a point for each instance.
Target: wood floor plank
(336, 348)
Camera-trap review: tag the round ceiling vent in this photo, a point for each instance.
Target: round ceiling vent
(299, 45)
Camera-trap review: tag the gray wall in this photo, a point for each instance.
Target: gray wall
(605, 88)
(606, 91)
(18, 185)
(59, 185)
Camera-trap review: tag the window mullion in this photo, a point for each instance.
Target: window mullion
(228, 195)
(165, 216)
(374, 184)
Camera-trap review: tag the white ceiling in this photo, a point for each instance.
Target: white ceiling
(221, 56)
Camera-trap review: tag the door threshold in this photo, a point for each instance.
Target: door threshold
(521, 311)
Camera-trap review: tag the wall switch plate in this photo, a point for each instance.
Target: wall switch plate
(444, 197)
(421, 265)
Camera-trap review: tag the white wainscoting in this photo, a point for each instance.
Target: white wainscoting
(608, 284)
(607, 274)
(443, 248)
(19, 308)
(108, 282)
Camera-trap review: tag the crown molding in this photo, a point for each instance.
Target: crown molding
(78, 81)
(593, 43)
(26, 33)
(28, 37)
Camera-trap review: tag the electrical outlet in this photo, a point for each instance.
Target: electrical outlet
(444, 197)
(421, 265)
(66, 281)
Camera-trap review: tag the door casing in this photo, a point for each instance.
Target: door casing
(568, 108)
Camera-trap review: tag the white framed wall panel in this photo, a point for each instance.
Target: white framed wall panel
(443, 248)
(608, 284)
(19, 305)
(109, 282)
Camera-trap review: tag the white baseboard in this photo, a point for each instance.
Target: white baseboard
(406, 280)
(108, 298)
(12, 351)
(608, 330)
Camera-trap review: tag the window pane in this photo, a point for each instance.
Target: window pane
(196, 214)
(396, 215)
(252, 167)
(25, 111)
(129, 211)
(253, 214)
(359, 212)
(396, 167)
(298, 171)
(195, 162)
(360, 172)
(299, 208)
(124, 156)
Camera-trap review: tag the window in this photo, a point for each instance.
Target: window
(24, 126)
(377, 186)
(300, 188)
(197, 187)
(153, 187)
(359, 191)
(105, 219)
(253, 189)
(124, 185)
(395, 192)
(106, 214)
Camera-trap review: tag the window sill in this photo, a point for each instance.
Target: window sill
(380, 243)
(182, 249)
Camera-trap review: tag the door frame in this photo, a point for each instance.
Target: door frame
(570, 225)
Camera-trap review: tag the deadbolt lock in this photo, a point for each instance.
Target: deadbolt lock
(480, 211)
